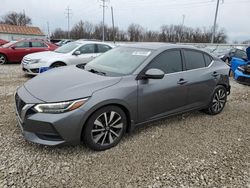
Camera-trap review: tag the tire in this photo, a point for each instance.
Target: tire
(3, 59)
(218, 101)
(105, 128)
(57, 64)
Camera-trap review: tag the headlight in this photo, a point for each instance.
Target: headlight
(240, 68)
(60, 107)
(34, 61)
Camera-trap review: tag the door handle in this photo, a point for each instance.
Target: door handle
(182, 81)
(215, 74)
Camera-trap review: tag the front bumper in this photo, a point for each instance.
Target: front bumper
(241, 77)
(33, 69)
(47, 129)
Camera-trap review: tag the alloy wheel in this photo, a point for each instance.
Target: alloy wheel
(2, 59)
(219, 100)
(107, 128)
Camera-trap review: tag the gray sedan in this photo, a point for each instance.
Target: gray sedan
(126, 87)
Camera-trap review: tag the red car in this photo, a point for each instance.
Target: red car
(14, 51)
(2, 42)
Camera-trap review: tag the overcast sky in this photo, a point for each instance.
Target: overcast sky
(233, 15)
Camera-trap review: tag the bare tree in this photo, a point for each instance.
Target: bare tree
(135, 32)
(14, 18)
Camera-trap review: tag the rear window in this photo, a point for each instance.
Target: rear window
(38, 45)
(208, 59)
(194, 59)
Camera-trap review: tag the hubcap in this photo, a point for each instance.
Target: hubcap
(107, 128)
(2, 59)
(219, 100)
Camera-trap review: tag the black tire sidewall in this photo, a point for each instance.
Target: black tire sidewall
(87, 135)
(57, 63)
(210, 109)
(4, 58)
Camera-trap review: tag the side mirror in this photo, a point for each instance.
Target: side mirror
(154, 74)
(77, 52)
(13, 47)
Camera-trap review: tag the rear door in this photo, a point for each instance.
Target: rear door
(37, 46)
(102, 48)
(157, 98)
(201, 80)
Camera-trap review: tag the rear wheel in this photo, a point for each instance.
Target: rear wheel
(218, 101)
(57, 64)
(3, 59)
(105, 128)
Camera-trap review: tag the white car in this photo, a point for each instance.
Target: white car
(77, 52)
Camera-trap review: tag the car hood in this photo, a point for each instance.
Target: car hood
(67, 83)
(44, 55)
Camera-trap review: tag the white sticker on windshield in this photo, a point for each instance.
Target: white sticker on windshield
(142, 53)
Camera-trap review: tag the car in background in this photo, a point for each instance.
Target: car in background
(77, 52)
(63, 42)
(241, 68)
(2, 42)
(14, 51)
(226, 54)
(126, 87)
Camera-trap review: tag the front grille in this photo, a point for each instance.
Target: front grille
(35, 70)
(243, 79)
(19, 104)
(247, 70)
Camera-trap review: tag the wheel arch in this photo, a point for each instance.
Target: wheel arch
(59, 61)
(119, 104)
(5, 56)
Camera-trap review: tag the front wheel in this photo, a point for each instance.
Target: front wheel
(218, 101)
(105, 128)
(3, 59)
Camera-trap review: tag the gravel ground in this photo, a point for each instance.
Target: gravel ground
(190, 150)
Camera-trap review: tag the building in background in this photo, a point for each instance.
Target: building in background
(13, 32)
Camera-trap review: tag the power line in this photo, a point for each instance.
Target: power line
(68, 14)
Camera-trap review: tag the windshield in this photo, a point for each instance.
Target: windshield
(68, 47)
(8, 44)
(119, 61)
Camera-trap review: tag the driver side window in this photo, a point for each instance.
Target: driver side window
(87, 49)
(168, 62)
(22, 45)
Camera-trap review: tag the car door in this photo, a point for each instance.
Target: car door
(37, 46)
(87, 53)
(19, 50)
(200, 77)
(157, 98)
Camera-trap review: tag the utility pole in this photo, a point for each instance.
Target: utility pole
(183, 21)
(48, 31)
(215, 20)
(113, 23)
(68, 14)
(103, 18)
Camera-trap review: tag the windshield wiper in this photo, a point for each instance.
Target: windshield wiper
(97, 72)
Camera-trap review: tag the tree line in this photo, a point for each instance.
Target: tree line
(137, 33)
(134, 32)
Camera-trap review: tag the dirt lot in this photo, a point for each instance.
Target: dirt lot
(191, 150)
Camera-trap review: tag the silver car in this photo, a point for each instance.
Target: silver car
(125, 87)
(73, 53)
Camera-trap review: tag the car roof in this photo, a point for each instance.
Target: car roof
(157, 46)
(93, 42)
